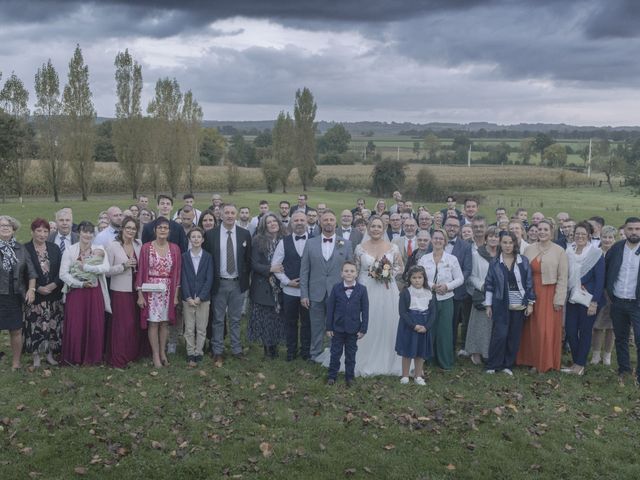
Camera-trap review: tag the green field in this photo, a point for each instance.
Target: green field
(581, 203)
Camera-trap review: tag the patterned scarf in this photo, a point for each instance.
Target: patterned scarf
(8, 255)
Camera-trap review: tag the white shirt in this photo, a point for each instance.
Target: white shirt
(223, 252)
(67, 240)
(420, 298)
(627, 281)
(449, 272)
(449, 246)
(195, 259)
(278, 258)
(105, 237)
(327, 247)
(350, 291)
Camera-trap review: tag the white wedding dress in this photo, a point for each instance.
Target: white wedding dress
(376, 350)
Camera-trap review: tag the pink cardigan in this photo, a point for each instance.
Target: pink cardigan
(143, 277)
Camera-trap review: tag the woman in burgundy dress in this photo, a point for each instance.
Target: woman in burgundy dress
(82, 270)
(124, 334)
(159, 263)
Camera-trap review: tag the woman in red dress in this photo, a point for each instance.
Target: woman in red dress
(124, 332)
(541, 342)
(159, 263)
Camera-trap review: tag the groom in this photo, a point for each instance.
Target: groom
(320, 270)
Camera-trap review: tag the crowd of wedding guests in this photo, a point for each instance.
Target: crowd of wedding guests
(392, 286)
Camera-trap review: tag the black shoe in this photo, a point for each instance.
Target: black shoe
(331, 382)
(266, 351)
(273, 352)
(350, 382)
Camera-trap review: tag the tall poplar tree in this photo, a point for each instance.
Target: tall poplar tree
(304, 113)
(284, 147)
(47, 117)
(14, 99)
(192, 131)
(128, 131)
(79, 119)
(166, 108)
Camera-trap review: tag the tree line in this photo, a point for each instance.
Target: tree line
(167, 143)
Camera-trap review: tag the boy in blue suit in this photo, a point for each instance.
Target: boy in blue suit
(196, 282)
(347, 321)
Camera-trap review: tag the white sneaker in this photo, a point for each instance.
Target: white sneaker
(420, 381)
(606, 358)
(462, 353)
(507, 371)
(491, 371)
(595, 358)
(404, 380)
(171, 348)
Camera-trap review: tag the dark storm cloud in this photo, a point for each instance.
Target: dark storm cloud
(615, 19)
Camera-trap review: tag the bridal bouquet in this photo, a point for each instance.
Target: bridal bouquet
(381, 271)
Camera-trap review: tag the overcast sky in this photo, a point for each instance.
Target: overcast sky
(503, 61)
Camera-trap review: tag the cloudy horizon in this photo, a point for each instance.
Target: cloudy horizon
(498, 61)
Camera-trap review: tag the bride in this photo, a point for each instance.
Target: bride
(376, 350)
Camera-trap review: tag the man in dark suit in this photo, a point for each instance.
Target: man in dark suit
(176, 232)
(461, 298)
(302, 204)
(347, 322)
(313, 229)
(230, 247)
(347, 231)
(64, 237)
(395, 226)
(288, 253)
(623, 287)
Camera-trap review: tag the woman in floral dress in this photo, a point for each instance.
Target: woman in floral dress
(159, 264)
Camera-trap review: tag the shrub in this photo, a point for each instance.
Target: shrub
(334, 184)
(388, 176)
(427, 187)
(271, 174)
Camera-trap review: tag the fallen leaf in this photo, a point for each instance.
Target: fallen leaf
(390, 446)
(350, 471)
(156, 445)
(368, 470)
(21, 407)
(266, 449)
(617, 409)
(260, 376)
(451, 467)
(535, 467)
(153, 373)
(80, 470)
(26, 451)
(497, 411)
(568, 447)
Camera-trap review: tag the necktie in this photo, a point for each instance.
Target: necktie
(348, 288)
(231, 259)
(327, 240)
(301, 237)
(63, 245)
(409, 248)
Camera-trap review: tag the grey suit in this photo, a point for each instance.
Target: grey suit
(355, 238)
(317, 278)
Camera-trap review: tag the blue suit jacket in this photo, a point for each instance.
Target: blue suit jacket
(348, 314)
(197, 284)
(613, 262)
(593, 281)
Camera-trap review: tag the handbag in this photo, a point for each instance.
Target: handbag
(477, 299)
(581, 297)
(515, 300)
(153, 287)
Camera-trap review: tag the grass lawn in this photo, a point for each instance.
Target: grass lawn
(271, 419)
(581, 203)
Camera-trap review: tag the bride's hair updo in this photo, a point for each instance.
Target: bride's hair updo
(372, 218)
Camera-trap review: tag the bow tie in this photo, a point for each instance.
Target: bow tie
(346, 230)
(301, 237)
(349, 288)
(330, 240)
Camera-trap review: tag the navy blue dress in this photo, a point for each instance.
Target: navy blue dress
(409, 343)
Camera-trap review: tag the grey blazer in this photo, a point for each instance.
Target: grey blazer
(73, 236)
(317, 275)
(355, 238)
